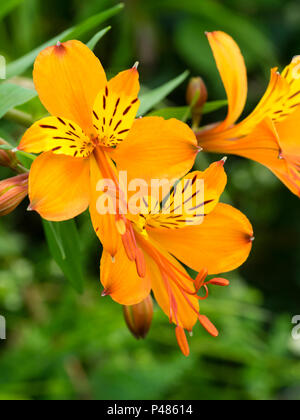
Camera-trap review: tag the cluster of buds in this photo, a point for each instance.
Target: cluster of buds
(196, 97)
(139, 317)
(12, 193)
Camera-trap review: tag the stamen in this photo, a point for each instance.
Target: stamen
(219, 282)
(208, 325)
(199, 281)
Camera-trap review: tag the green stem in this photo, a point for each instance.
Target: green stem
(19, 117)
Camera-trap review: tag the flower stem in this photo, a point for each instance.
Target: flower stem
(19, 117)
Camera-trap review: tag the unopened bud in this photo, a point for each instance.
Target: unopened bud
(139, 317)
(7, 158)
(12, 193)
(196, 94)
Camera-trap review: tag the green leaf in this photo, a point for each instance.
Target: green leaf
(7, 6)
(96, 38)
(13, 95)
(5, 147)
(216, 15)
(214, 106)
(22, 64)
(171, 112)
(64, 244)
(181, 112)
(153, 97)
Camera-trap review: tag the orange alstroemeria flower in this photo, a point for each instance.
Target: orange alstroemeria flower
(92, 121)
(269, 135)
(155, 241)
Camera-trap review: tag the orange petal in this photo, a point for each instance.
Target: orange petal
(116, 107)
(157, 148)
(274, 145)
(185, 317)
(280, 100)
(58, 135)
(120, 279)
(68, 78)
(182, 341)
(104, 224)
(221, 243)
(192, 198)
(59, 186)
(233, 72)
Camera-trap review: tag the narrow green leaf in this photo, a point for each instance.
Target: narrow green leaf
(22, 64)
(184, 112)
(171, 112)
(153, 97)
(12, 95)
(96, 38)
(64, 244)
(7, 6)
(6, 147)
(214, 106)
(92, 22)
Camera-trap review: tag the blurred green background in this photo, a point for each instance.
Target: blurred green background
(65, 346)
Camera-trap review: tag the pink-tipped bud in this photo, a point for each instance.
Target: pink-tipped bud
(196, 94)
(12, 192)
(139, 317)
(7, 158)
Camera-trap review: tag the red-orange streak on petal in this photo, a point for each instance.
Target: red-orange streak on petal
(140, 263)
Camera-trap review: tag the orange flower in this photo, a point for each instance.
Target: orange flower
(92, 121)
(269, 135)
(12, 193)
(155, 241)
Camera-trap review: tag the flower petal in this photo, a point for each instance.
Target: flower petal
(280, 100)
(104, 224)
(61, 136)
(221, 243)
(68, 78)
(120, 279)
(186, 317)
(233, 72)
(59, 186)
(195, 196)
(157, 148)
(116, 107)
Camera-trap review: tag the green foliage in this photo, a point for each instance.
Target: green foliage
(21, 64)
(12, 96)
(64, 245)
(155, 96)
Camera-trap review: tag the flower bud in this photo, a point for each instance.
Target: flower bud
(7, 158)
(12, 192)
(139, 317)
(196, 94)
